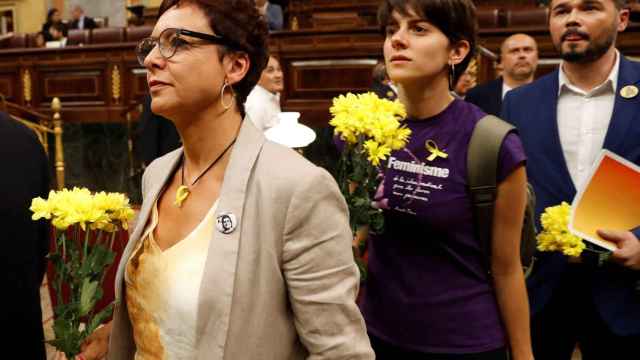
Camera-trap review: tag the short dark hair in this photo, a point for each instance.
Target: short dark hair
(240, 22)
(455, 18)
(50, 14)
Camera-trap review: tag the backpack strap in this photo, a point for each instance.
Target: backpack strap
(482, 169)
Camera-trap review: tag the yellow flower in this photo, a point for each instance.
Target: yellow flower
(40, 209)
(78, 206)
(367, 119)
(555, 235)
(116, 210)
(376, 152)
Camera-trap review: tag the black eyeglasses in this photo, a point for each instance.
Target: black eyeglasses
(170, 40)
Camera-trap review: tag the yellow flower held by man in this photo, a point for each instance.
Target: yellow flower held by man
(555, 235)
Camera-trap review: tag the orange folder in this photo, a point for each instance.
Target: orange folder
(609, 199)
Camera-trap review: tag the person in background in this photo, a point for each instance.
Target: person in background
(39, 40)
(80, 20)
(57, 35)
(381, 85)
(242, 248)
(155, 135)
(428, 293)
(519, 61)
(466, 81)
(263, 102)
(565, 119)
(273, 14)
(53, 17)
(25, 243)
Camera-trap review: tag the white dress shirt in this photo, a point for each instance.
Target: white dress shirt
(583, 120)
(263, 107)
(505, 89)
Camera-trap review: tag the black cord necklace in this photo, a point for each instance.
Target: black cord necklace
(183, 191)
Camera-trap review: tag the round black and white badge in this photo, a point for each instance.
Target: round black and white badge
(226, 223)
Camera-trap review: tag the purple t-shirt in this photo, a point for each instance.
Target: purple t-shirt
(427, 288)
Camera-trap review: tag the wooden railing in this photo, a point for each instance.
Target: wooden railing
(44, 128)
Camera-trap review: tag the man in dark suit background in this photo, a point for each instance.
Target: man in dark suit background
(519, 60)
(25, 243)
(155, 135)
(564, 120)
(80, 20)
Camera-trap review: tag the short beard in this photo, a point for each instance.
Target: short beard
(593, 52)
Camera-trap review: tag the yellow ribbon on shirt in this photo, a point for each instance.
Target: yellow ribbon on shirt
(432, 147)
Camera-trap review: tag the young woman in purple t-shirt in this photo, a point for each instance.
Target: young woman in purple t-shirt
(428, 293)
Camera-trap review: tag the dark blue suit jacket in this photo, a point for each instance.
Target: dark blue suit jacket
(487, 97)
(533, 110)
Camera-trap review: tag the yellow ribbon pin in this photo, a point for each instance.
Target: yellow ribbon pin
(435, 151)
(181, 195)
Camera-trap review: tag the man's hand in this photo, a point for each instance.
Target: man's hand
(628, 253)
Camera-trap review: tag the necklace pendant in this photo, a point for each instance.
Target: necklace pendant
(181, 195)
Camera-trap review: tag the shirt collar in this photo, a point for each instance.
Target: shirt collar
(267, 93)
(505, 88)
(611, 83)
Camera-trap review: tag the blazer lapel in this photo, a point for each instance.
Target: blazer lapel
(151, 197)
(624, 110)
(217, 286)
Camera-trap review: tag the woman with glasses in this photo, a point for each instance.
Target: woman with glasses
(242, 248)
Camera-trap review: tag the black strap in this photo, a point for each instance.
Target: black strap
(482, 168)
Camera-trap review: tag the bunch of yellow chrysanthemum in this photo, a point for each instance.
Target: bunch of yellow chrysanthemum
(372, 122)
(371, 129)
(555, 235)
(81, 258)
(101, 211)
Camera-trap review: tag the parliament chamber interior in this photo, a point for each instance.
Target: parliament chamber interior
(85, 99)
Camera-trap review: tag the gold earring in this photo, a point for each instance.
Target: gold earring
(222, 90)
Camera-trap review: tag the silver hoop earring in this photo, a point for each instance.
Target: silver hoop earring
(452, 75)
(222, 90)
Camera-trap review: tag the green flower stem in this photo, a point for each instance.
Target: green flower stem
(358, 181)
(76, 236)
(99, 236)
(113, 237)
(64, 246)
(86, 244)
(60, 273)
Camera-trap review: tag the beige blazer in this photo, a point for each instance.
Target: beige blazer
(283, 284)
